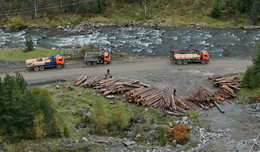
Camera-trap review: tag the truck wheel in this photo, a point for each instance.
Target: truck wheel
(203, 61)
(36, 69)
(185, 62)
(58, 66)
(88, 63)
(179, 62)
(94, 63)
(42, 68)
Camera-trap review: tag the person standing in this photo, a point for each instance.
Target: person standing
(174, 92)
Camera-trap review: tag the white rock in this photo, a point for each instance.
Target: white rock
(84, 139)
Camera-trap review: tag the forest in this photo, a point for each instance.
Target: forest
(223, 10)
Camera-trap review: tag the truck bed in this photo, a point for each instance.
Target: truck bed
(92, 56)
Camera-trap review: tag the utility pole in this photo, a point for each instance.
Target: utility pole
(60, 3)
(145, 7)
(35, 8)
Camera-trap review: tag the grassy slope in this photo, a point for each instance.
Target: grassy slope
(19, 55)
(174, 13)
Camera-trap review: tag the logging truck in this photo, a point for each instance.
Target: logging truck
(186, 56)
(39, 64)
(93, 58)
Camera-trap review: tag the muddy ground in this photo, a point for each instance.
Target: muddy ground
(240, 120)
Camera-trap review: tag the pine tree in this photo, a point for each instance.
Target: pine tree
(215, 12)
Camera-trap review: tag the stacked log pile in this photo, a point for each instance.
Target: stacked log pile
(146, 95)
(207, 99)
(137, 92)
(227, 86)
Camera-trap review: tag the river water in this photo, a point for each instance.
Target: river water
(140, 40)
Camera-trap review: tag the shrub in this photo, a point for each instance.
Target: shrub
(29, 45)
(38, 126)
(16, 23)
(215, 12)
(99, 117)
(252, 75)
(66, 132)
(107, 120)
(179, 133)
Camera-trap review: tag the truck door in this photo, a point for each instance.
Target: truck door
(59, 60)
(106, 56)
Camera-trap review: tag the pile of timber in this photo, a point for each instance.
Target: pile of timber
(227, 88)
(137, 92)
(206, 99)
(233, 82)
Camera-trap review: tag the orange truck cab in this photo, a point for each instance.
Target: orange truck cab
(205, 55)
(106, 56)
(59, 60)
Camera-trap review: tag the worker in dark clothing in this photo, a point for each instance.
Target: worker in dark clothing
(108, 75)
(174, 92)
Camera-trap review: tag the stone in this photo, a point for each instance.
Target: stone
(80, 125)
(129, 143)
(84, 139)
(138, 135)
(57, 86)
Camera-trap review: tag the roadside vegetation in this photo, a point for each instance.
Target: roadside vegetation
(251, 80)
(208, 13)
(19, 54)
(26, 113)
(63, 111)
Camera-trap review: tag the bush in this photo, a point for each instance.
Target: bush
(66, 132)
(215, 12)
(252, 75)
(16, 23)
(107, 120)
(29, 45)
(179, 133)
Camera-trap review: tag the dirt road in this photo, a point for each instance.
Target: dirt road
(131, 67)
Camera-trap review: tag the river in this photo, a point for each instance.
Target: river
(140, 40)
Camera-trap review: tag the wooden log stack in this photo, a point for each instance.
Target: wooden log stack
(137, 92)
(227, 88)
(146, 95)
(233, 82)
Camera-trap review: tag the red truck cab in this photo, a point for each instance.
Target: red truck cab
(59, 60)
(106, 57)
(205, 55)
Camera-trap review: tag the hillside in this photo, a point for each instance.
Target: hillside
(207, 13)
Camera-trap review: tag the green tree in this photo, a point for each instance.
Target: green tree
(100, 6)
(215, 12)
(252, 75)
(21, 109)
(29, 45)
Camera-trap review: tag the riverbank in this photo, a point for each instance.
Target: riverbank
(73, 20)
